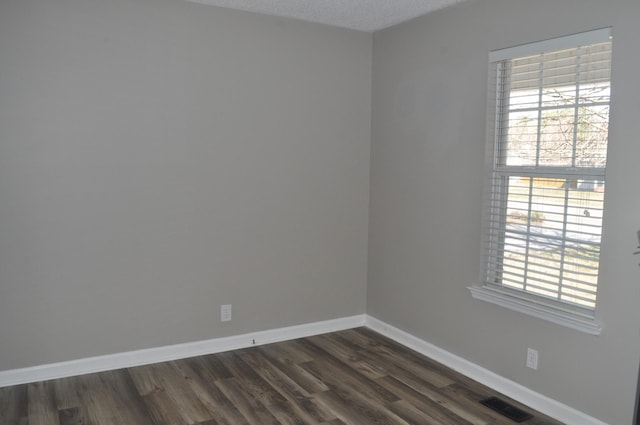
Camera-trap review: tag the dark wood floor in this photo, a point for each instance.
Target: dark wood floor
(348, 377)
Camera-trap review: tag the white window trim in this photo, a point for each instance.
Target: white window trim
(539, 307)
(566, 42)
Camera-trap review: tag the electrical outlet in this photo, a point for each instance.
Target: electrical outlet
(532, 358)
(225, 313)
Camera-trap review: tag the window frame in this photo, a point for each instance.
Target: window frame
(565, 314)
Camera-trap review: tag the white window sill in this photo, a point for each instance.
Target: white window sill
(540, 309)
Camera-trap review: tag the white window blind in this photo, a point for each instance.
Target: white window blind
(544, 200)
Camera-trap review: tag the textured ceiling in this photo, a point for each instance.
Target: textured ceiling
(361, 15)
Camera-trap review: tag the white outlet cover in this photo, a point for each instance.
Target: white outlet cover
(225, 313)
(532, 358)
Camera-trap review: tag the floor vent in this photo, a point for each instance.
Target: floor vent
(506, 409)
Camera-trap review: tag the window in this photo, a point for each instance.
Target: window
(544, 200)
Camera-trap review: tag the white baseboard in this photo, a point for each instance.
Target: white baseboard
(516, 391)
(173, 352)
(524, 395)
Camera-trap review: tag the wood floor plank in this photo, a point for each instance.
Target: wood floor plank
(352, 377)
(288, 352)
(66, 393)
(340, 377)
(341, 350)
(412, 414)
(107, 399)
(253, 411)
(71, 410)
(172, 382)
(133, 409)
(250, 379)
(145, 380)
(390, 349)
(261, 365)
(396, 364)
(162, 408)
(392, 357)
(71, 416)
(98, 403)
(432, 408)
(208, 367)
(14, 405)
(42, 408)
(286, 414)
(454, 405)
(297, 397)
(304, 379)
(355, 410)
(203, 386)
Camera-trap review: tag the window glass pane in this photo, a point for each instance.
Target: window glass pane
(550, 136)
(553, 97)
(590, 94)
(556, 137)
(551, 238)
(522, 138)
(524, 99)
(592, 135)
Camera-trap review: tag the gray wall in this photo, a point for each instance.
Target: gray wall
(159, 158)
(428, 139)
